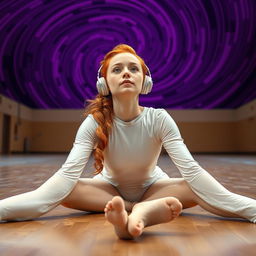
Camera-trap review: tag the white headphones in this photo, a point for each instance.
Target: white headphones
(104, 91)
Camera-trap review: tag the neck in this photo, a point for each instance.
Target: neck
(126, 110)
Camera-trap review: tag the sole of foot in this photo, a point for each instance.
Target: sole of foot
(153, 212)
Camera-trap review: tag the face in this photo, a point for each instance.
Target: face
(124, 75)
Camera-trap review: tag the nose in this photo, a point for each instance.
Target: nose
(126, 72)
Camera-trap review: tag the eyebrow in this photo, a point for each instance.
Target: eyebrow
(119, 63)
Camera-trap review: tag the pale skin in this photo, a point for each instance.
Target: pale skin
(164, 200)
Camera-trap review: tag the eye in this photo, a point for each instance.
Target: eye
(116, 70)
(134, 69)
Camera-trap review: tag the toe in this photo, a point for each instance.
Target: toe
(118, 203)
(137, 230)
(176, 206)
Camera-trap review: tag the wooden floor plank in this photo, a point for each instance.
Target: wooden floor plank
(65, 231)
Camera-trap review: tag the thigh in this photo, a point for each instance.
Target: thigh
(87, 187)
(90, 195)
(176, 187)
(180, 189)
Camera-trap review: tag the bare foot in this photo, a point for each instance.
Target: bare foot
(153, 212)
(117, 215)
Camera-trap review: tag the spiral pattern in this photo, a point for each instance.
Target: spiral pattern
(201, 54)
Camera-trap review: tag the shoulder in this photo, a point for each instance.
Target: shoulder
(162, 119)
(159, 118)
(158, 113)
(89, 120)
(88, 125)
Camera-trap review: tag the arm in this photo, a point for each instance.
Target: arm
(200, 181)
(35, 203)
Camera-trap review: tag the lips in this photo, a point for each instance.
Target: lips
(126, 82)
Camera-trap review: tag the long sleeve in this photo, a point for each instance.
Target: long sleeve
(50, 194)
(200, 181)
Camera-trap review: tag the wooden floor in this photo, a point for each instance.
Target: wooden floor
(70, 232)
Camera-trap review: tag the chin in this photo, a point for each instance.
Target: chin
(128, 93)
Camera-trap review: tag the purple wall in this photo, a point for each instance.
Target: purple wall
(201, 54)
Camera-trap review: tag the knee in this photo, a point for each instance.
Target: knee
(184, 184)
(73, 195)
(66, 202)
(188, 194)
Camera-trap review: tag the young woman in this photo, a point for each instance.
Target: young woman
(127, 140)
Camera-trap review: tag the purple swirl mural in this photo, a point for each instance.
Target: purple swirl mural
(201, 54)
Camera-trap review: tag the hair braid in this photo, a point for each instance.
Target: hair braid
(102, 110)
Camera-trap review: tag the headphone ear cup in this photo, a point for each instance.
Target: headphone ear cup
(147, 85)
(102, 86)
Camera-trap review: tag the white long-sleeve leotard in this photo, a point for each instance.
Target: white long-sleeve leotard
(130, 161)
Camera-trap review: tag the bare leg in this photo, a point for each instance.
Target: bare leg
(180, 189)
(143, 214)
(92, 195)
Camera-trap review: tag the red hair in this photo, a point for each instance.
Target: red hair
(102, 106)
